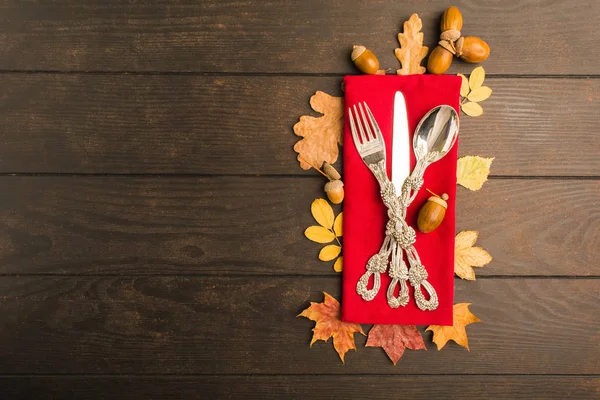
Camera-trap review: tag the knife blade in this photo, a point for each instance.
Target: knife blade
(400, 143)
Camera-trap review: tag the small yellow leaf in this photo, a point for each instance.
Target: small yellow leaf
(464, 86)
(322, 213)
(466, 256)
(476, 78)
(473, 171)
(337, 225)
(329, 252)
(319, 234)
(480, 94)
(472, 109)
(337, 266)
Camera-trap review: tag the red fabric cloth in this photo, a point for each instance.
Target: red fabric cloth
(365, 215)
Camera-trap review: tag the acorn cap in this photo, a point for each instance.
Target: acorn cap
(333, 185)
(357, 50)
(440, 200)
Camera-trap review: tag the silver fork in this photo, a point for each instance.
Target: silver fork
(371, 147)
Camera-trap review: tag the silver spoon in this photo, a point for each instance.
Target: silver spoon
(434, 137)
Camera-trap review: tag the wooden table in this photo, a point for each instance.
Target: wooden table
(152, 209)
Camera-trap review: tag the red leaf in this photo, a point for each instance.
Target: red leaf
(394, 339)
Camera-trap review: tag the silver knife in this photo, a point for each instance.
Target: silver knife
(400, 143)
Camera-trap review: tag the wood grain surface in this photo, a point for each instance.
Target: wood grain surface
(242, 225)
(235, 325)
(301, 387)
(152, 211)
(312, 36)
(243, 125)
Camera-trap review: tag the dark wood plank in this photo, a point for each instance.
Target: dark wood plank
(231, 225)
(243, 125)
(188, 325)
(314, 36)
(301, 387)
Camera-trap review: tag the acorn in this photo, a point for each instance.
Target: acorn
(451, 20)
(335, 191)
(472, 49)
(365, 60)
(439, 60)
(432, 213)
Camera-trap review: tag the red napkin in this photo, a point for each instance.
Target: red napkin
(365, 215)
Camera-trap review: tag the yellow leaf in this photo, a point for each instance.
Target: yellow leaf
(322, 213)
(476, 78)
(319, 234)
(321, 135)
(457, 332)
(328, 324)
(329, 252)
(473, 171)
(464, 86)
(337, 266)
(337, 225)
(411, 52)
(466, 256)
(480, 94)
(472, 109)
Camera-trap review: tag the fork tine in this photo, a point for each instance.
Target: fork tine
(369, 135)
(378, 134)
(353, 129)
(363, 136)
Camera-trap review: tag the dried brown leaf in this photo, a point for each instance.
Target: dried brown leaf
(394, 339)
(411, 52)
(321, 135)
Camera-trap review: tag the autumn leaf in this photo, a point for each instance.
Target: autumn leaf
(337, 225)
(464, 86)
(472, 109)
(457, 332)
(411, 52)
(394, 339)
(472, 171)
(321, 135)
(466, 256)
(319, 234)
(328, 324)
(473, 92)
(329, 252)
(330, 229)
(338, 265)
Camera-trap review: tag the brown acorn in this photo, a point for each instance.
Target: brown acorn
(439, 61)
(472, 49)
(335, 191)
(365, 60)
(432, 213)
(451, 20)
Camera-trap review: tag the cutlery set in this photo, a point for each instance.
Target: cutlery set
(434, 136)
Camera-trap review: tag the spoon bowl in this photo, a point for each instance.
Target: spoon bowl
(436, 133)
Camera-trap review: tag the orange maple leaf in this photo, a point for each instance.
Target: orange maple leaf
(328, 324)
(394, 339)
(457, 332)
